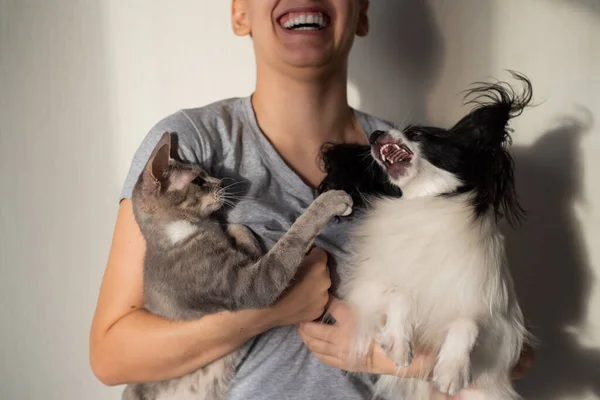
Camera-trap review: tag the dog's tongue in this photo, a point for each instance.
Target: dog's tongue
(393, 153)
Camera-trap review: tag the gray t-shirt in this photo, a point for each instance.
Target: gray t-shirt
(224, 137)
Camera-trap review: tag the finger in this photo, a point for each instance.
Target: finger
(524, 364)
(331, 361)
(517, 373)
(337, 308)
(527, 357)
(317, 254)
(318, 346)
(421, 366)
(317, 330)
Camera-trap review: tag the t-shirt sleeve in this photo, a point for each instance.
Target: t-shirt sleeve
(187, 141)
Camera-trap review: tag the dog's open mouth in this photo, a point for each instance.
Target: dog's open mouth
(392, 153)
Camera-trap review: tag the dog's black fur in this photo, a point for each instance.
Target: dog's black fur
(475, 149)
(351, 167)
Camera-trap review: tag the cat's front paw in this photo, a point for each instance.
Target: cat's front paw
(398, 349)
(451, 376)
(336, 202)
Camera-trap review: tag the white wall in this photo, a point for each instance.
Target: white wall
(81, 82)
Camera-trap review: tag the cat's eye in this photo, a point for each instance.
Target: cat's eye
(198, 181)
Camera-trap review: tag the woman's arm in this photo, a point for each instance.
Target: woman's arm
(128, 344)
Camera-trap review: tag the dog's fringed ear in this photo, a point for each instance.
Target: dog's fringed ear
(495, 104)
(485, 130)
(154, 177)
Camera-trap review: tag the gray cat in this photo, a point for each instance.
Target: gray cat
(194, 266)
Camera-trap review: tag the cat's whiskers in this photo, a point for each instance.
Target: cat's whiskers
(224, 194)
(230, 185)
(227, 202)
(236, 197)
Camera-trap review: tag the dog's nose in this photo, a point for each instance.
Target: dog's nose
(376, 135)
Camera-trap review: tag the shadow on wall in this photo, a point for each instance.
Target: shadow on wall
(396, 65)
(592, 5)
(550, 264)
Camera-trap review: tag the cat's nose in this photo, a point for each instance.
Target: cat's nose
(376, 135)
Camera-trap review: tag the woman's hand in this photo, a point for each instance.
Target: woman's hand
(331, 345)
(306, 298)
(524, 364)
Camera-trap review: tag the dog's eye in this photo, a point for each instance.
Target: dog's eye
(412, 134)
(198, 181)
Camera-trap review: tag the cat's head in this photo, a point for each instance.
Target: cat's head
(171, 188)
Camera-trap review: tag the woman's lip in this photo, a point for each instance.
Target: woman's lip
(302, 32)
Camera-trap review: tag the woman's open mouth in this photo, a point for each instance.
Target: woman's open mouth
(305, 21)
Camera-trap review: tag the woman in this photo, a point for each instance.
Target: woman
(271, 140)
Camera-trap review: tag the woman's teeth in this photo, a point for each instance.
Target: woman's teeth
(305, 21)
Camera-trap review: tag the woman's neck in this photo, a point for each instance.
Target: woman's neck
(304, 111)
(299, 116)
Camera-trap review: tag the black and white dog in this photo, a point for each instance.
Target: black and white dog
(429, 267)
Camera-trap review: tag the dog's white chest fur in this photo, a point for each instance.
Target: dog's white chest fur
(428, 273)
(431, 249)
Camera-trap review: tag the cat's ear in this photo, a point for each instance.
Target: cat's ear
(180, 179)
(154, 176)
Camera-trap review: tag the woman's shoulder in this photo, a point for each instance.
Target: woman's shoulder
(198, 132)
(197, 135)
(205, 122)
(216, 113)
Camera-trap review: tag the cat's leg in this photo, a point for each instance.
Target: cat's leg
(452, 371)
(138, 391)
(211, 382)
(267, 279)
(219, 377)
(396, 336)
(129, 393)
(245, 239)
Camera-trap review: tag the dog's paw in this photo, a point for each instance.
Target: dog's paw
(399, 350)
(451, 376)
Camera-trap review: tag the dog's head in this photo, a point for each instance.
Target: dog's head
(472, 156)
(419, 161)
